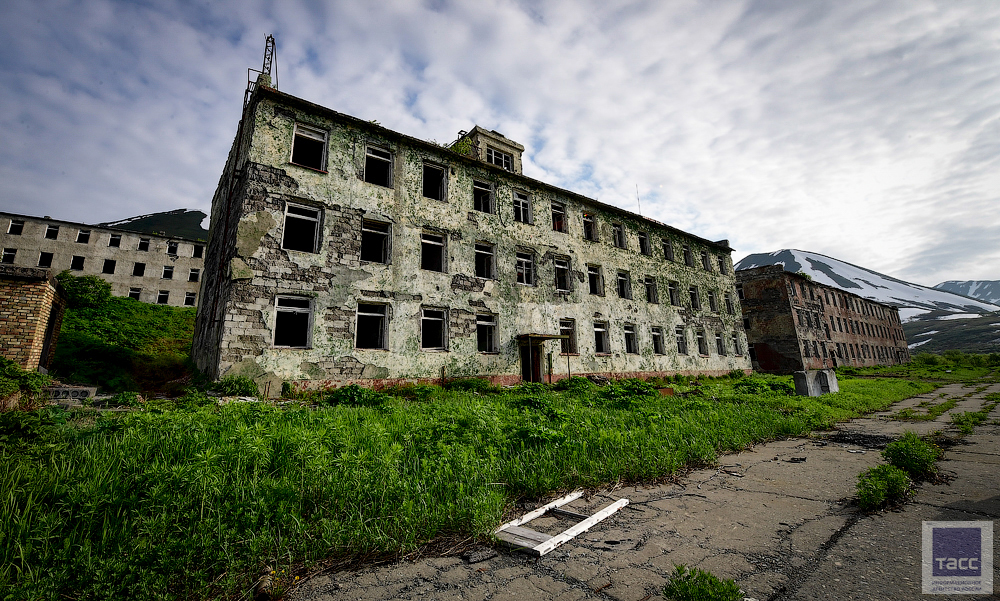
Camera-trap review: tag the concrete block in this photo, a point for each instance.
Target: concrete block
(815, 382)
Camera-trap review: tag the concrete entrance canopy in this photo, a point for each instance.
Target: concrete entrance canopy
(531, 354)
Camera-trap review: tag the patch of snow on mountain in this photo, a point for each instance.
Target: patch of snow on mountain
(960, 316)
(916, 344)
(926, 333)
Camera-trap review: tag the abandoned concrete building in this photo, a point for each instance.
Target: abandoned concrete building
(793, 324)
(149, 267)
(31, 311)
(343, 252)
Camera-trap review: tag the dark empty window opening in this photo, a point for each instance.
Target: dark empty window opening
(651, 295)
(199, 251)
(567, 327)
(168, 272)
(143, 244)
(589, 227)
(486, 333)
(562, 274)
(52, 232)
(736, 345)
(522, 207)
(644, 247)
(432, 249)
(432, 330)
(83, 237)
(746, 323)
(558, 217)
(695, 297)
(16, 227)
(739, 292)
(688, 257)
(657, 335)
(595, 280)
(115, 241)
(668, 250)
(45, 259)
(682, 345)
(76, 264)
(371, 330)
(713, 303)
(706, 263)
(618, 234)
(172, 248)
(301, 231)
(730, 308)
(624, 285)
(482, 196)
(672, 291)
(309, 147)
(378, 167)
(8, 256)
(292, 321)
(189, 299)
(500, 159)
(374, 241)
(702, 343)
(163, 297)
(720, 344)
(722, 265)
(525, 268)
(139, 270)
(134, 293)
(601, 346)
(485, 261)
(433, 182)
(109, 266)
(194, 275)
(631, 343)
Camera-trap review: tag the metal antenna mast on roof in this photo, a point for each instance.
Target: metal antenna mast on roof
(265, 70)
(637, 198)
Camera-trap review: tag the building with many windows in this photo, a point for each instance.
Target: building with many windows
(341, 251)
(794, 324)
(149, 267)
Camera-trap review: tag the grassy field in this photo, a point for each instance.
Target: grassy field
(195, 502)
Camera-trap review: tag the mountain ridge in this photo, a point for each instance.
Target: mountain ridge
(984, 290)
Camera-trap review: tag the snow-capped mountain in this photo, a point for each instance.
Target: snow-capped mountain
(984, 290)
(912, 299)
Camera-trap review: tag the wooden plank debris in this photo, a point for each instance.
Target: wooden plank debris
(538, 543)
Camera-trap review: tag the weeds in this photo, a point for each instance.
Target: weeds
(968, 420)
(912, 455)
(236, 386)
(698, 585)
(881, 485)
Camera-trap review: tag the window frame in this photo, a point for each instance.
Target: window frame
(45, 255)
(142, 245)
(441, 243)
(383, 333)
(168, 272)
(631, 339)
(668, 250)
(499, 158)
(73, 263)
(134, 293)
(618, 236)
(369, 230)
(561, 267)
(706, 261)
(623, 284)
(115, 241)
(644, 247)
(680, 336)
(443, 184)
(521, 202)
(317, 221)
(444, 328)
(688, 256)
(656, 337)
(713, 302)
(524, 267)
(198, 251)
(310, 132)
(9, 254)
(702, 343)
(52, 232)
(141, 267)
(559, 217)
(595, 279)
(590, 232)
(483, 248)
(652, 293)
(601, 338)
(720, 345)
(371, 153)
(163, 297)
(308, 310)
(694, 295)
(190, 296)
(568, 346)
(109, 263)
(83, 236)
(674, 293)
(488, 323)
(17, 224)
(194, 275)
(481, 203)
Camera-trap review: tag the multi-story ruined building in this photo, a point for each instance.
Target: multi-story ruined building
(795, 324)
(149, 267)
(341, 251)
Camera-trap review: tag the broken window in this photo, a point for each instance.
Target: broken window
(500, 159)
(52, 232)
(589, 227)
(370, 330)
(83, 236)
(562, 274)
(624, 284)
(595, 280)
(433, 182)
(793, 290)
(567, 327)
(722, 265)
(143, 244)
(432, 249)
(746, 323)
(199, 251)
(16, 227)
(301, 231)
(695, 297)
(601, 346)
(651, 295)
(815, 349)
(809, 321)
(486, 333)
(631, 342)
(109, 266)
(168, 272)
(139, 270)
(558, 217)
(657, 336)
(805, 348)
(432, 329)
(76, 264)
(134, 293)
(115, 241)
(45, 259)
(720, 345)
(644, 247)
(172, 248)
(736, 344)
(378, 167)
(485, 261)
(702, 343)
(668, 250)
(374, 241)
(672, 291)
(713, 303)
(522, 207)
(292, 321)
(482, 196)
(194, 275)
(8, 255)
(688, 258)
(798, 312)
(739, 292)
(682, 345)
(618, 234)
(525, 268)
(189, 299)
(705, 262)
(730, 308)
(309, 147)
(163, 297)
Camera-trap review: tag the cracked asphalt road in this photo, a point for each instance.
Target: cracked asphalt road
(784, 529)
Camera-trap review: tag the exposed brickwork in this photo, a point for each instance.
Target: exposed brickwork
(31, 310)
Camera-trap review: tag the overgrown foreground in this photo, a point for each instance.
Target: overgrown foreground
(194, 503)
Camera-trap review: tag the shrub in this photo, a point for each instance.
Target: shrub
(413, 392)
(699, 585)
(928, 359)
(912, 455)
(479, 385)
(626, 394)
(350, 396)
(573, 384)
(126, 399)
(14, 379)
(756, 384)
(880, 485)
(87, 291)
(236, 386)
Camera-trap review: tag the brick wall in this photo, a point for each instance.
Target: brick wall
(31, 307)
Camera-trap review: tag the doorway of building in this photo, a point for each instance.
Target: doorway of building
(531, 362)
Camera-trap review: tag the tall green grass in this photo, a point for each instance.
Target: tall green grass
(194, 503)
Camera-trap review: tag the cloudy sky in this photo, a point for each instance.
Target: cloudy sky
(867, 131)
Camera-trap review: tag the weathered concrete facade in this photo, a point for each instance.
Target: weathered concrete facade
(31, 311)
(341, 251)
(147, 267)
(795, 324)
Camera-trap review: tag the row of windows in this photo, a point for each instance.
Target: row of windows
(308, 150)
(109, 267)
(16, 228)
(849, 326)
(840, 300)
(810, 348)
(163, 296)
